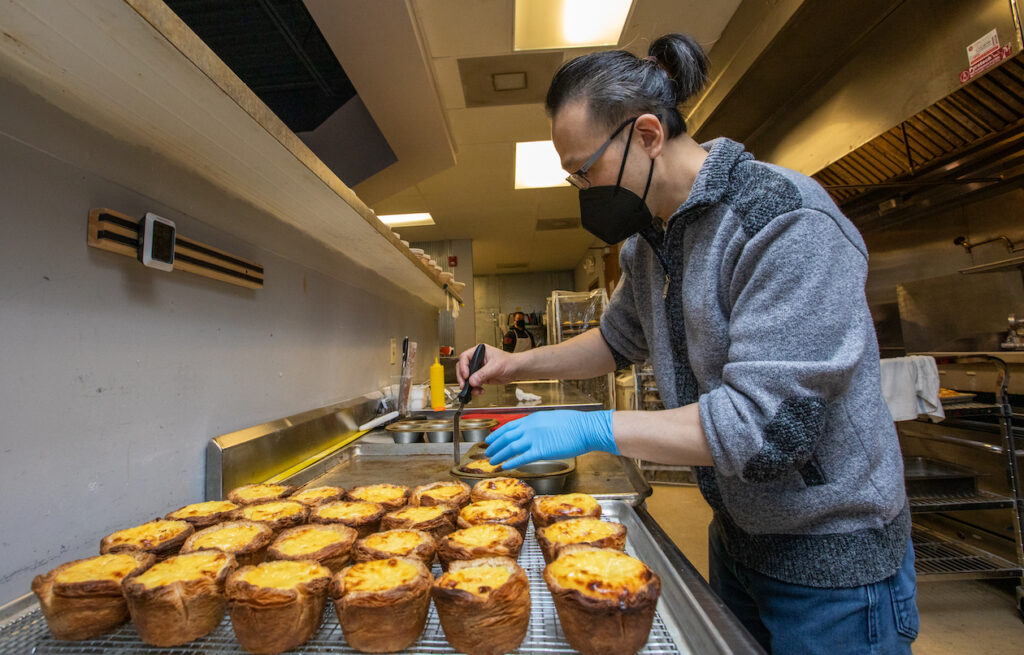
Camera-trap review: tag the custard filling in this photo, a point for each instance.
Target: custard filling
(283, 574)
(204, 509)
(105, 567)
(483, 535)
(477, 580)
(578, 530)
(600, 573)
(568, 505)
(379, 575)
(272, 511)
(379, 493)
(482, 466)
(399, 542)
(490, 510)
(506, 486)
(443, 493)
(254, 491)
(308, 540)
(150, 534)
(315, 494)
(229, 539)
(181, 568)
(344, 509)
(419, 514)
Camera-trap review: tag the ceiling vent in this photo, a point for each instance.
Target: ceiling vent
(511, 265)
(508, 79)
(545, 224)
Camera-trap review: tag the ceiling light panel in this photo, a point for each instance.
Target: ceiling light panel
(538, 166)
(407, 220)
(549, 24)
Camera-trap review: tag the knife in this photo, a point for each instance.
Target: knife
(464, 397)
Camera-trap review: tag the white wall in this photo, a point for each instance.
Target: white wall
(114, 377)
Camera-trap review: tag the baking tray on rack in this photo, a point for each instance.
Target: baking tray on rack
(680, 624)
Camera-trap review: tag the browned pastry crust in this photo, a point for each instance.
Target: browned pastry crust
(383, 621)
(550, 547)
(175, 534)
(424, 549)
(246, 554)
(256, 494)
(87, 608)
(437, 526)
(317, 495)
(481, 466)
(615, 625)
(507, 544)
(363, 525)
(366, 493)
(513, 515)
(502, 488)
(425, 495)
(296, 514)
(488, 624)
(272, 620)
(546, 510)
(334, 555)
(203, 515)
(180, 611)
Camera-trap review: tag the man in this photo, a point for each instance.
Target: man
(518, 339)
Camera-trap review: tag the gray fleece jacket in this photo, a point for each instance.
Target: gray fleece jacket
(751, 303)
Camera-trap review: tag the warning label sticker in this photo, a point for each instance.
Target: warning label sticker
(983, 54)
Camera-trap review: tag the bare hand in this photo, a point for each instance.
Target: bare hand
(498, 368)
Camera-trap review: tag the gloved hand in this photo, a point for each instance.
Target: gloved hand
(552, 434)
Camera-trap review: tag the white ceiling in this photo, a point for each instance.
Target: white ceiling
(475, 198)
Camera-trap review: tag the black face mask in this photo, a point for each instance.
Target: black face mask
(520, 323)
(614, 213)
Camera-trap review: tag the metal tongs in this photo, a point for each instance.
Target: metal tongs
(464, 397)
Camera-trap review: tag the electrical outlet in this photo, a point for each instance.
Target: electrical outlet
(394, 350)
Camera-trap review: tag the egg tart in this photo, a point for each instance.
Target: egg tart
(179, 599)
(161, 537)
(588, 531)
(277, 515)
(382, 604)
(327, 543)
(203, 515)
(82, 599)
(484, 540)
(277, 606)
(605, 599)
(438, 520)
(449, 493)
(549, 509)
(512, 489)
(494, 511)
(255, 494)
(388, 496)
(480, 466)
(483, 605)
(363, 517)
(317, 495)
(413, 544)
(246, 540)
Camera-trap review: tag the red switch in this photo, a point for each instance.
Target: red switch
(453, 261)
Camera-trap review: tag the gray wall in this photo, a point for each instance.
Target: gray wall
(113, 377)
(501, 294)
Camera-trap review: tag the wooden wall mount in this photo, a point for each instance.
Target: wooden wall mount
(116, 232)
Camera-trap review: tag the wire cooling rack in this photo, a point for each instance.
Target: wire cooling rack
(29, 634)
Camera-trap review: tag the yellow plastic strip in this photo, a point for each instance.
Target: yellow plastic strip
(309, 461)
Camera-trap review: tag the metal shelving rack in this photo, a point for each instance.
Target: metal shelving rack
(571, 313)
(942, 558)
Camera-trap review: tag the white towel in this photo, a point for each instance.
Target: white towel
(525, 398)
(911, 388)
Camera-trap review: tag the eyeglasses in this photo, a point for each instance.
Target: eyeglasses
(579, 178)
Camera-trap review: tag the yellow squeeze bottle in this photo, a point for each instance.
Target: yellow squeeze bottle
(437, 386)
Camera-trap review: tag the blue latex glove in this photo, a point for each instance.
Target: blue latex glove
(552, 434)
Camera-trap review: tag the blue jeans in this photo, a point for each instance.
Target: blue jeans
(789, 619)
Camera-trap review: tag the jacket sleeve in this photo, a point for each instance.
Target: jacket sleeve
(799, 325)
(620, 323)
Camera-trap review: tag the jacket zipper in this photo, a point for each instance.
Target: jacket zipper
(664, 290)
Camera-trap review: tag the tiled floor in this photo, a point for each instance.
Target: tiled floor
(956, 617)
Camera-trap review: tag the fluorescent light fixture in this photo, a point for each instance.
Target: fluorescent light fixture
(508, 81)
(538, 165)
(551, 24)
(407, 220)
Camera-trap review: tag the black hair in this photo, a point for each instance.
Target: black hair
(617, 85)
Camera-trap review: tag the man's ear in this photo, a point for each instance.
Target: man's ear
(652, 134)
